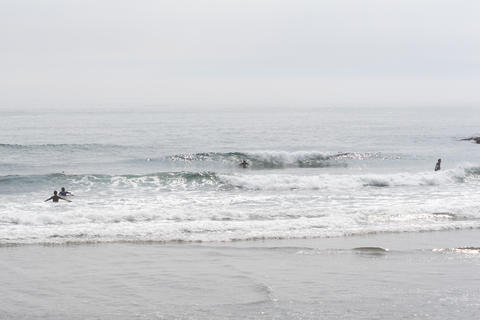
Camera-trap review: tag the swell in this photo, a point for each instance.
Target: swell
(59, 146)
(256, 160)
(267, 159)
(139, 155)
(280, 159)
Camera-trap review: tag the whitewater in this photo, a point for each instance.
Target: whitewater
(165, 177)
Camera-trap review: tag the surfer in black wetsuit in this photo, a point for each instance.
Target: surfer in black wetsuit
(437, 166)
(244, 164)
(65, 193)
(55, 197)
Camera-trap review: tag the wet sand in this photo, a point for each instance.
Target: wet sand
(421, 275)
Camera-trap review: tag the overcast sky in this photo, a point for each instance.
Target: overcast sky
(261, 53)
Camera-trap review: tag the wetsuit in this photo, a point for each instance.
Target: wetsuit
(54, 198)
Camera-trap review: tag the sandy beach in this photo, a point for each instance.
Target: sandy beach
(382, 276)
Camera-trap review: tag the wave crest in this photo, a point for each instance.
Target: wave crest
(265, 159)
(248, 181)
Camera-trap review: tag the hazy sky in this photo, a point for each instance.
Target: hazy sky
(262, 53)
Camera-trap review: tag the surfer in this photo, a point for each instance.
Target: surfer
(55, 197)
(65, 193)
(244, 164)
(437, 166)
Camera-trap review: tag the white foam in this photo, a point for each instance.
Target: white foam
(148, 208)
(342, 181)
(216, 216)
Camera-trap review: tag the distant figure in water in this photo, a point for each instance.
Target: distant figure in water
(437, 166)
(244, 164)
(55, 197)
(65, 193)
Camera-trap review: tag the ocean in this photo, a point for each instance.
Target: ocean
(176, 176)
(169, 185)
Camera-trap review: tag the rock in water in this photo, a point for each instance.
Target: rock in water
(475, 139)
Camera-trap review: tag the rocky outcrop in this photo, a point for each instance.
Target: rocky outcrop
(474, 139)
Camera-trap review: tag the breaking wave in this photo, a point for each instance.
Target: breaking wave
(263, 160)
(248, 181)
(281, 159)
(162, 180)
(257, 160)
(352, 181)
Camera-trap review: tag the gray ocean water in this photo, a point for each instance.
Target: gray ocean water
(339, 215)
(174, 176)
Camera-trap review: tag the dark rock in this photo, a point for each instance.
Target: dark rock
(475, 139)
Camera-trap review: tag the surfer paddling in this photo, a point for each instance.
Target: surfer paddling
(56, 197)
(244, 164)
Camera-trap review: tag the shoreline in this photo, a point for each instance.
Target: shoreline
(465, 234)
(394, 276)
